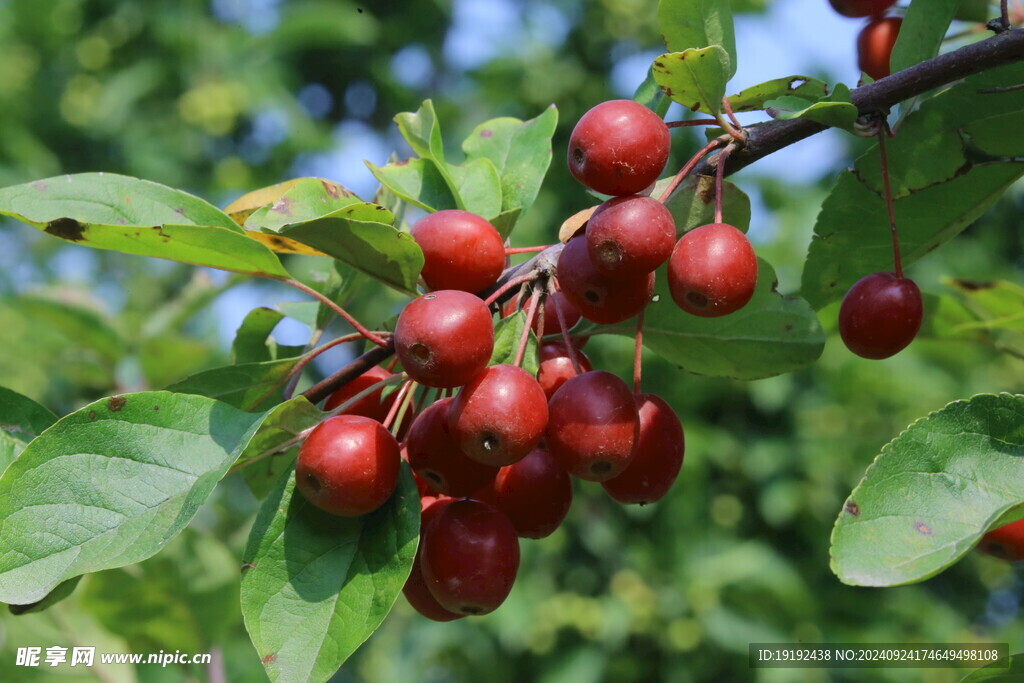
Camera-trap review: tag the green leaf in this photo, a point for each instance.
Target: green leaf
(21, 420)
(520, 150)
(479, 186)
(282, 423)
(982, 312)
(63, 590)
(110, 484)
(650, 94)
(507, 333)
(755, 97)
(253, 335)
(422, 131)
(686, 24)
(317, 585)
(852, 236)
(833, 110)
(504, 222)
(110, 199)
(248, 386)
(88, 327)
(184, 598)
(973, 10)
(418, 182)
(921, 33)
(1008, 670)
(771, 335)
(374, 248)
(693, 203)
(108, 211)
(941, 183)
(932, 493)
(694, 78)
(306, 198)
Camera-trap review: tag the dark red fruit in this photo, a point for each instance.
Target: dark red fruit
(593, 425)
(348, 465)
(658, 457)
(874, 46)
(628, 237)
(500, 416)
(861, 8)
(712, 271)
(556, 366)
(435, 456)
(535, 493)
(1006, 542)
(460, 250)
(415, 589)
(470, 557)
(880, 315)
(369, 406)
(619, 147)
(599, 298)
(444, 339)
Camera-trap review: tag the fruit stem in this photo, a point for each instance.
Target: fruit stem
(525, 250)
(690, 165)
(884, 132)
(732, 117)
(693, 122)
(638, 352)
(301, 436)
(304, 360)
(326, 301)
(532, 275)
(531, 313)
(560, 315)
(398, 408)
(720, 181)
(325, 387)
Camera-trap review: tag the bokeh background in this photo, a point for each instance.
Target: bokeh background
(223, 96)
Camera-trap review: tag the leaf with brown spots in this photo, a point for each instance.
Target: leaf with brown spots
(303, 199)
(61, 520)
(695, 78)
(118, 213)
(933, 492)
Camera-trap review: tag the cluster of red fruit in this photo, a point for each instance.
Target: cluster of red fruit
(876, 40)
(619, 148)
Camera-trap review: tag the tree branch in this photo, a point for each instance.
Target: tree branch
(767, 138)
(326, 387)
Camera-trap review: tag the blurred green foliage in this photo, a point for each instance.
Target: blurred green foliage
(738, 552)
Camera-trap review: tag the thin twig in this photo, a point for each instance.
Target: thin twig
(689, 166)
(882, 134)
(531, 312)
(638, 352)
(326, 387)
(720, 181)
(693, 122)
(532, 275)
(298, 438)
(767, 138)
(560, 316)
(326, 301)
(525, 250)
